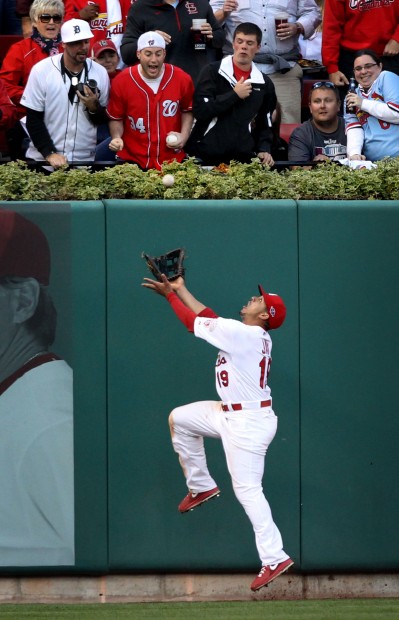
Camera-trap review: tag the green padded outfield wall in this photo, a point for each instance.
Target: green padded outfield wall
(349, 343)
(76, 235)
(154, 365)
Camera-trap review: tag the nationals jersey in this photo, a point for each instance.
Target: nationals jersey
(244, 359)
(376, 125)
(147, 116)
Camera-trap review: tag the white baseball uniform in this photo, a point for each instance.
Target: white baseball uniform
(37, 468)
(244, 421)
(70, 129)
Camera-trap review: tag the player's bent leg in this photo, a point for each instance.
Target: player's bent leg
(189, 425)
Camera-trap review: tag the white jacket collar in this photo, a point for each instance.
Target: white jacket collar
(227, 71)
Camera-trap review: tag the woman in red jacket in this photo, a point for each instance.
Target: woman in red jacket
(45, 40)
(46, 16)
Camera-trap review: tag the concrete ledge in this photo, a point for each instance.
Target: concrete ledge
(174, 588)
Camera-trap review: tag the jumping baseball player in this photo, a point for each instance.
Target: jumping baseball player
(148, 102)
(244, 419)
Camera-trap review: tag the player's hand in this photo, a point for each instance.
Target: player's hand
(391, 48)
(357, 157)
(162, 288)
(338, 78)
(177, 284)
(266, 159)
(56, 160)
(116, 144)
(243, 88)
(89, 12)
(165, 36)
(352, 99)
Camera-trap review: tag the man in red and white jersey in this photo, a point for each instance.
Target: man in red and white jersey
(243, 418)
(150, 108)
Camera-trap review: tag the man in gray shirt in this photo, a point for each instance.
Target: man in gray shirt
(323, 136)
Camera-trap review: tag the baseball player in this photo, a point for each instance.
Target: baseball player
(244, 419)
(148, 103)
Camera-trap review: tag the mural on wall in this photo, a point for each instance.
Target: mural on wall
(36, 406)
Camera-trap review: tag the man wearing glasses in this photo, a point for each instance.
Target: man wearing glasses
(65, 98)
(322, 137)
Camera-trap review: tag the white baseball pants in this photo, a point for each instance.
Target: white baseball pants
(245, 435)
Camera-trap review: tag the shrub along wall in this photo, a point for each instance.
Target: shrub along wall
(239, 182)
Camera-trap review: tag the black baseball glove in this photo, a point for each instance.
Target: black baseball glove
(169, 264)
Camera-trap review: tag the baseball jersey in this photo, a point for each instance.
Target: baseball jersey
(148, 117)
(243, 362)
(376, 126)
(68, 124)
(37, 468)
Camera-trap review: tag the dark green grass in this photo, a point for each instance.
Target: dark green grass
(350, 609)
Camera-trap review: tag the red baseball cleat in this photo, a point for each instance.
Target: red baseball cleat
(267, 574)
(192, 500)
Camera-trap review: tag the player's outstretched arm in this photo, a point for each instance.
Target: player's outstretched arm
(164, 288)
(187, 298)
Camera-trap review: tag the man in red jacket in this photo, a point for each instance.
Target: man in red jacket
(106, 18)
(352, 25)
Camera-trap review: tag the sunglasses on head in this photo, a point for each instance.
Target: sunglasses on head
(46, 18)
(323, 85)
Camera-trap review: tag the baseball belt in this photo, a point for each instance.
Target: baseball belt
(239, 406)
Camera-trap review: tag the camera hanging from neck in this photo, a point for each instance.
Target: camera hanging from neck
(74, 78)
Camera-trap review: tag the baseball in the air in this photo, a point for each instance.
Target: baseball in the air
(172, 139)
(168, 180)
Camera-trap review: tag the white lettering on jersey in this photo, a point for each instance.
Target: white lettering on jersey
(137, 125)
(169, 107)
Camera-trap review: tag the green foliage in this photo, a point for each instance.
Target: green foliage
(327, 181)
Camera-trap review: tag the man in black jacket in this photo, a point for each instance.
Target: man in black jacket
(233, 106)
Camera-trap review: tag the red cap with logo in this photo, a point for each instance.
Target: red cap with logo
(24, 250)
(275, 308)
(101, 46)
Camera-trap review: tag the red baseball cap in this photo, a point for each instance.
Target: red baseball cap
(101, 46)
(24, 249)
(275, 308)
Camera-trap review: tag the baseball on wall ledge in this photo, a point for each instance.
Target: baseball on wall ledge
(168, 180)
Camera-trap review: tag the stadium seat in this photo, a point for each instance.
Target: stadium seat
(6, 40)
(286, 130)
